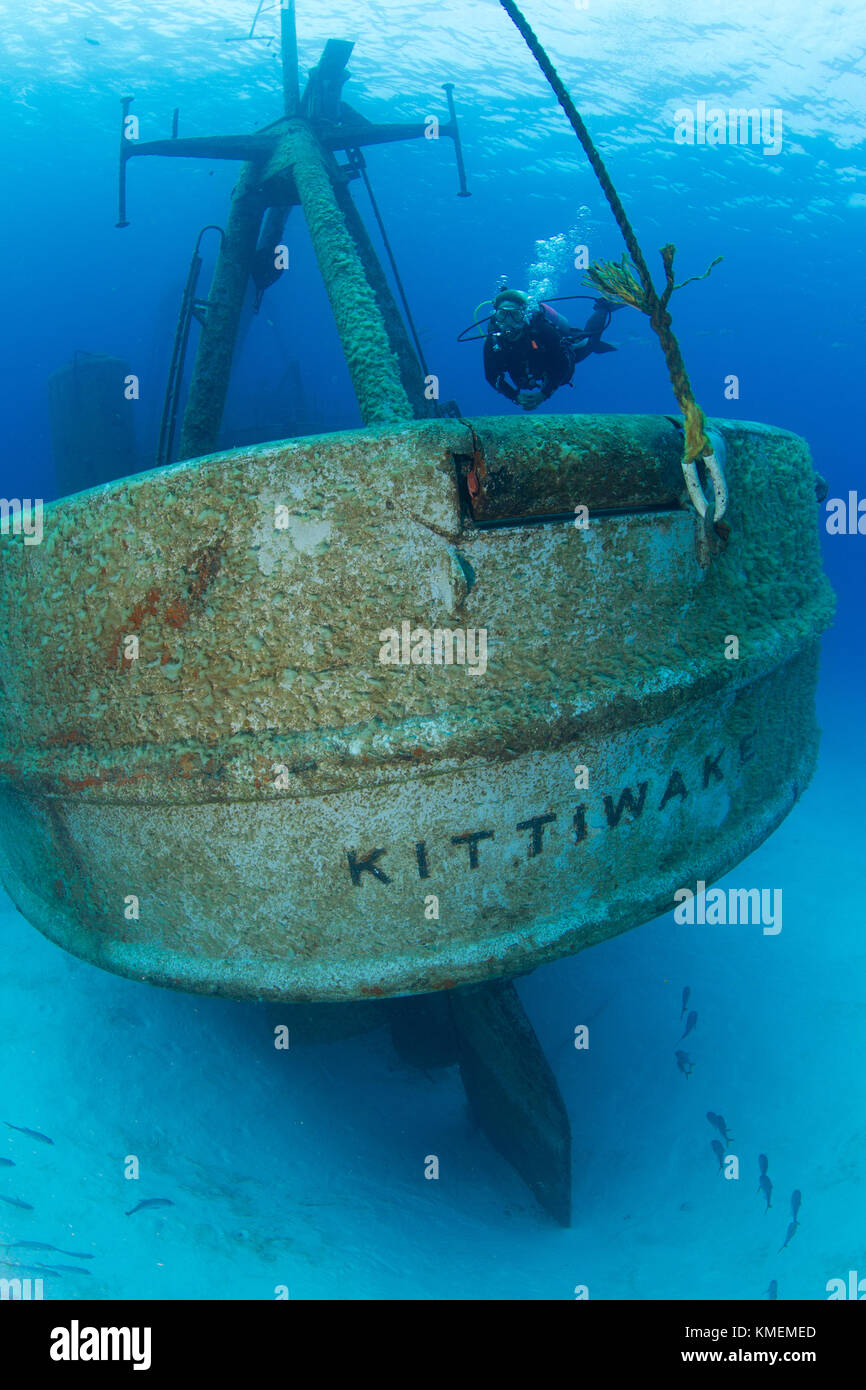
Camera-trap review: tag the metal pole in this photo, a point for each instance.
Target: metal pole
(175, 371)
(289, 45)
(448, 88)
(372, 364)
(412, 370)
(122, 221)
(189, 309)
(361, 163)
(213, 362)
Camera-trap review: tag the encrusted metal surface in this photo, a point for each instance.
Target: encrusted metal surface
(372, 364)
(282, 804)
(537, 468)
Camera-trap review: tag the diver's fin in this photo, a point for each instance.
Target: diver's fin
(513, 1092)
(603, 347)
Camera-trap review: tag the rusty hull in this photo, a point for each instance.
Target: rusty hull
(257, 806)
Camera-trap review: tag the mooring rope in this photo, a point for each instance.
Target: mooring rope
(617, 279)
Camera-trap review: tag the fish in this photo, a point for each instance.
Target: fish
(718, 1149)
(766, 1187)
(28, 1268)
(685, 1064)
(6, 1163)
(31, 1133)
(791, 1232)
(40, 1245)
(16, 1202)
(762, 1164)
(796, 1199)
(94, 42)
(773, 1290)
(70, 1269)
(718, 1122)
(150, 1202)
(687, 994)
(690, 1024)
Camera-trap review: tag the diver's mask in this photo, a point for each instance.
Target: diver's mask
(509, 322)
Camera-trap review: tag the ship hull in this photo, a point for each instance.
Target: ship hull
(276, 791)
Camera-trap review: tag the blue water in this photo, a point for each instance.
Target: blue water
(306, 1169)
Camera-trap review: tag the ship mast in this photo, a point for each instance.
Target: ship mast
(293, 162)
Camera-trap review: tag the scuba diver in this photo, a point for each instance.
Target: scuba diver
(537, 347)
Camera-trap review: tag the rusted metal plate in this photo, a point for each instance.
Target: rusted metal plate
(256, 804)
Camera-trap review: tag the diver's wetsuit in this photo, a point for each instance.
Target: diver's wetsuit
(542, 358)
